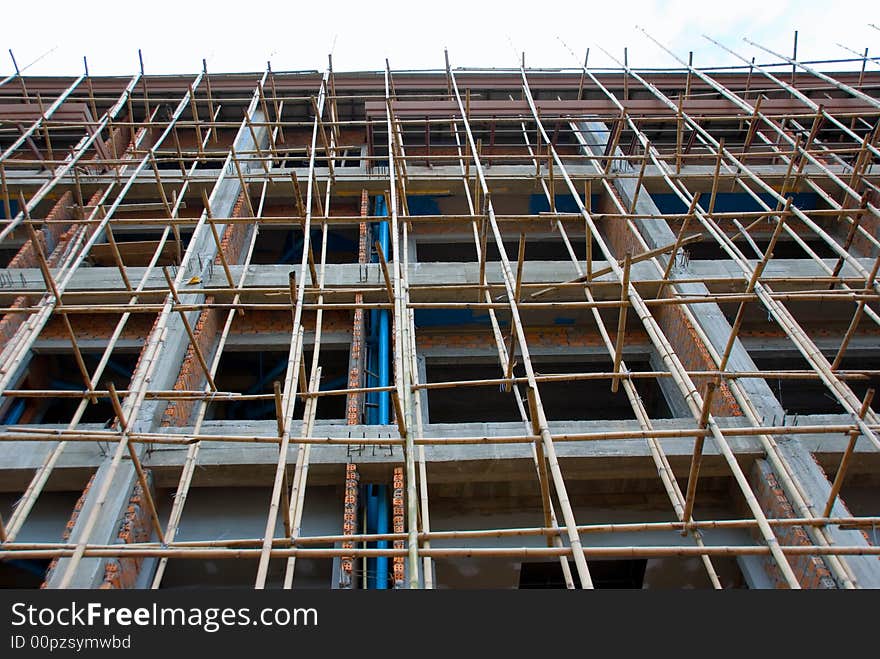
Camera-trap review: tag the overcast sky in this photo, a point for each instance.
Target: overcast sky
(242, 36)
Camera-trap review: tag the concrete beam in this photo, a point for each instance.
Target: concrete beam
(720, 276)
(814, 484)
(239, 464)
(419, 177)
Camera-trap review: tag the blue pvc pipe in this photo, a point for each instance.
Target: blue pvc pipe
(376, 497)
(379, 363)
(382, 527)
(15, 413)
(372, 368)
(384, 324)
(372, 506)
(384, 401)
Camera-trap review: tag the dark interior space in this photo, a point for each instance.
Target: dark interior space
(463, 252)
(256, 373)
(812, 396)
(24, 573)
(563, 400)
(593, 399)
(186, 574)
(606, 574)
(468, 404)
(284, 246)
(862, 498)
(8, 250)
(60, 372)
(709, 250)
(136, 248)
(45, 523)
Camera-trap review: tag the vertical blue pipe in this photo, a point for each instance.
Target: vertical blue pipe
(377, 522)
(382, 527)
(372, 509)
(384, 324)
(372, 367)
(15, 413)
(379, 363)
(384, 402)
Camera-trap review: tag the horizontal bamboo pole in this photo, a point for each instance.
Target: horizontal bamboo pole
(232, 396)
(720, 298)
(455, 218)
(632, 527)
(123, 551)
(19, 434)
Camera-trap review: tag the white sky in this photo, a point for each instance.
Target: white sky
(241, 36)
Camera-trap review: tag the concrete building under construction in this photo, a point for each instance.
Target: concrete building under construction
(457, 328)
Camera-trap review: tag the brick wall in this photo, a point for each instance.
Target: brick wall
(136, 526)
(693, 354)
(811, 571)
(871, 223)
(68, 529)
(575, 337)
(27, 258)
(398, 526)
(354, 402)
(691, 350)
(349, 522)
(259, 321)
(861, 244)
(118, 142)
(191, 376)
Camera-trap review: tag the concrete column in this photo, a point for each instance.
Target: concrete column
(593, 137)
(174, 343)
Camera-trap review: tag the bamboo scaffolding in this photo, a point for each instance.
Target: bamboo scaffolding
(506, 358)
(295, 357)
(686, 387)
(293, 521)
(558, 481)
(42, 475)
(790, 483)
(139, 379)
(698, 135)
(782, 315)
(664, 469)
(193, 448)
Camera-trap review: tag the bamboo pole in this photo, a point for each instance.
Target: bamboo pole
(400, 325)
(595, 552)
(621, 319)
(298, 490)
(625, 528)
(697, 456)
(847, 454)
